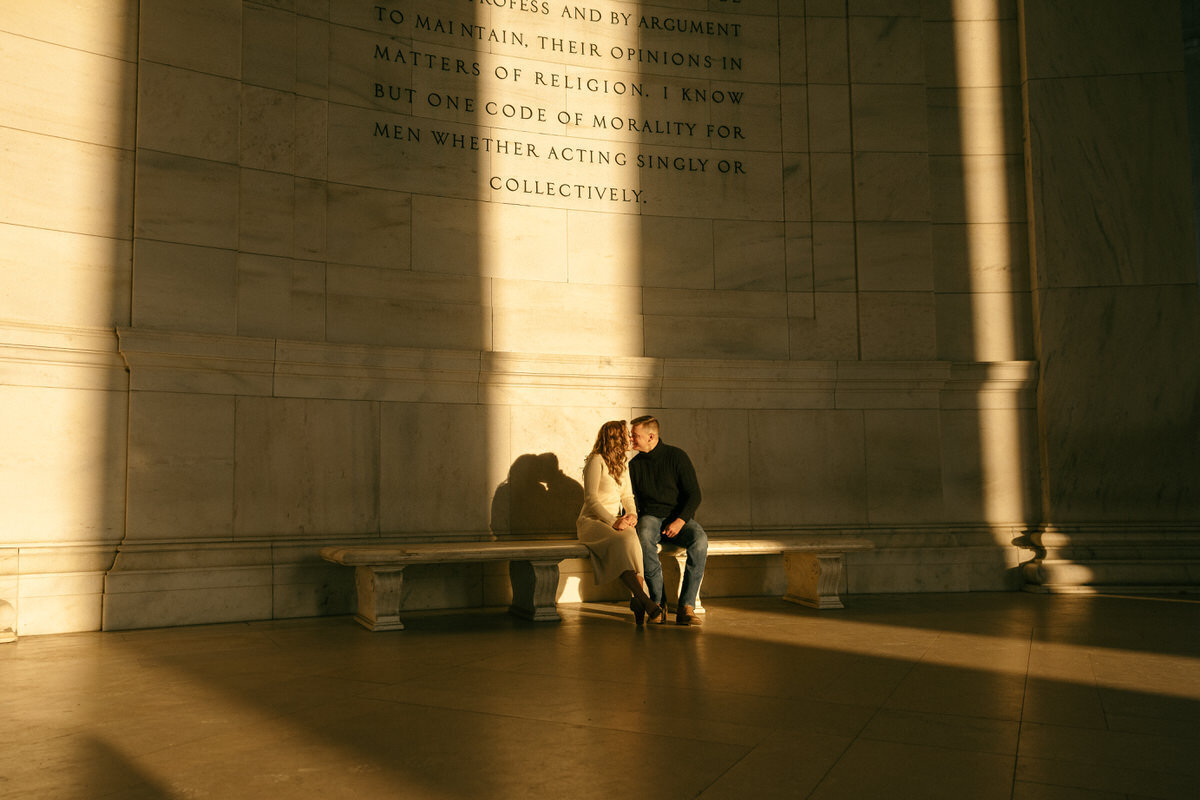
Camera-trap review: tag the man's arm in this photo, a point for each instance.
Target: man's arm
(689, 495)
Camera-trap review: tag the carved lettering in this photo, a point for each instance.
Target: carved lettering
(668, 103)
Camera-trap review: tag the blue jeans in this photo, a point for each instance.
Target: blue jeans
(692, 538)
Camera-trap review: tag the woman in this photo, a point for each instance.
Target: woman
(607, 523)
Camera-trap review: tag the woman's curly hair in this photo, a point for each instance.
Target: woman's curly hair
(611, 443)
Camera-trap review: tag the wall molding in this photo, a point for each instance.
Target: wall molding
(1095, 558)
(161, 583)
(44, 356)
(215, 364)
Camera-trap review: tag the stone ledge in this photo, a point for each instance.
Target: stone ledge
(1092, 558)
(54, 588)
(164, 582)
(61, 358)
(208, 364)
(216, 364)
(169, 582)
(1000, 384)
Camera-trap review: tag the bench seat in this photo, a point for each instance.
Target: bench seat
(813, 568)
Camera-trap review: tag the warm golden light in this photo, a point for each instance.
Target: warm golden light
(65, 253)
(986, 200)
(559, 263)
(1125, 670)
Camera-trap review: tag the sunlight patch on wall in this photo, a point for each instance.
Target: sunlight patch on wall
(65, 252)
(987, 200)
(986, 192)
(559, 253)
(559, 238)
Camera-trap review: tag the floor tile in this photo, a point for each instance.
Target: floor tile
(1023, 790)
(890, 769)
(784, 766)
(1111, 749)
(945, 731)
(1123, 780)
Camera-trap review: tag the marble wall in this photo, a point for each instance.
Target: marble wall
(1118, 312)
(285, 273)
(1115, 264)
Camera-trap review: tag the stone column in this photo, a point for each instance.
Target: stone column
(1117, 310)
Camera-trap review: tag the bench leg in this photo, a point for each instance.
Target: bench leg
(534, 589)
(813, 579)
(379, 597)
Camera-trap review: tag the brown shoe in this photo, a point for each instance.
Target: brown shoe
(686, 615)
(659, 617)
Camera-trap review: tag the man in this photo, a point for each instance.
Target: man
(667, 494)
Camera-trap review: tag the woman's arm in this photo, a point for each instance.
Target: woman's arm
(628, 503)
(593, 473)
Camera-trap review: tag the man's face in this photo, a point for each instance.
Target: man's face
(643, 440)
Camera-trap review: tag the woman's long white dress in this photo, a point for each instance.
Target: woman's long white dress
(604, 500)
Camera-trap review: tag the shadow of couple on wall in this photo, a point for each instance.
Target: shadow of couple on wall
(536, 500)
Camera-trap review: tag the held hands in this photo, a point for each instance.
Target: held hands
(627, 521)
(672, 530)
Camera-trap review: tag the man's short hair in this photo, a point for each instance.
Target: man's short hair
(648, 422)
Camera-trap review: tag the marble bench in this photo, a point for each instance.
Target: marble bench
(813, 568)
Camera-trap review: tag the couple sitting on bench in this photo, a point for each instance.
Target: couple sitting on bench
(629, 509)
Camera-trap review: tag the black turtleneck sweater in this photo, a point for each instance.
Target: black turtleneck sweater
(664, 483)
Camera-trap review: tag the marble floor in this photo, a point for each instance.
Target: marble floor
(897, 696)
